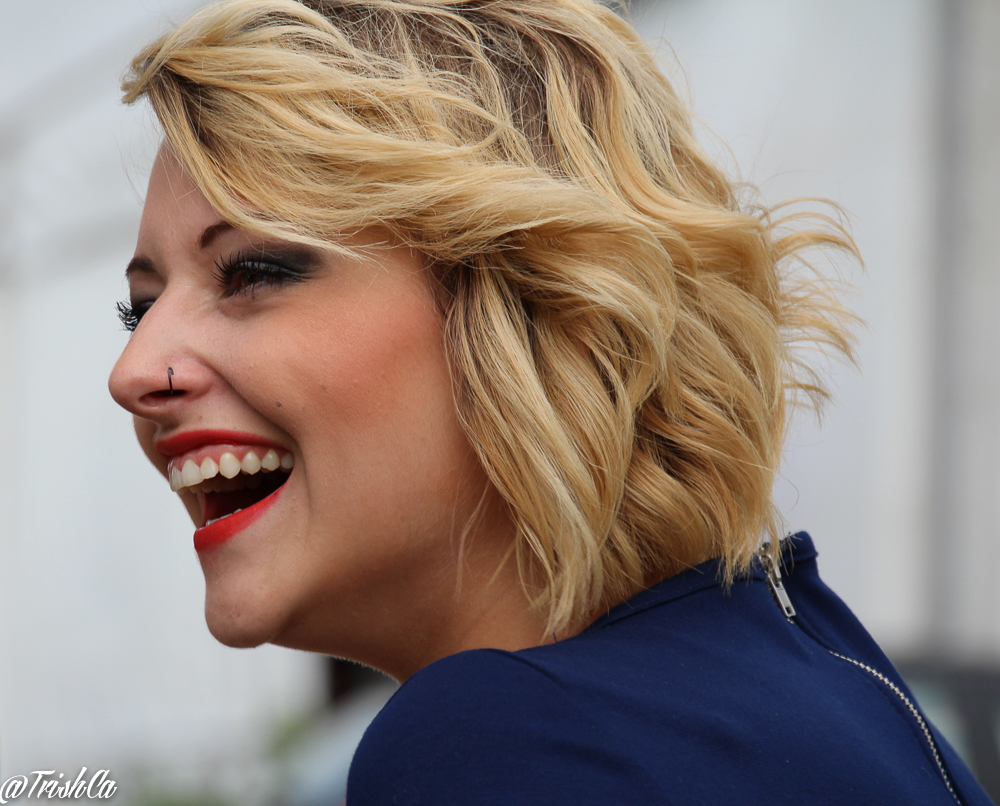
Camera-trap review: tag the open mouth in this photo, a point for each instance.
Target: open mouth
(224, 503)
(227, 482)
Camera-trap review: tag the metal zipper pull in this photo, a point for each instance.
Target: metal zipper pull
(777, 586)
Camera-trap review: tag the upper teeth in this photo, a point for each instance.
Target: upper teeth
(191, 475)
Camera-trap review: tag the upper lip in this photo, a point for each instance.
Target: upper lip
(192, 440)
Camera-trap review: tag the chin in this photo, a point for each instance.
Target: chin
(235, 634)
(241, 622)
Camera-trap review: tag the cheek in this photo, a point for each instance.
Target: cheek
(386, 379)
(364, 385)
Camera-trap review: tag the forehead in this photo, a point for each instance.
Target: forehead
(174, 206)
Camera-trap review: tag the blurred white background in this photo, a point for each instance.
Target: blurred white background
(889, 108)
(105, 660)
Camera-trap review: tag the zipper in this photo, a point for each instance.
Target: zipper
(913, 710)
(785, 604)
(777, 586)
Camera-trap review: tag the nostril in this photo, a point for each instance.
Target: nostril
(161, 396)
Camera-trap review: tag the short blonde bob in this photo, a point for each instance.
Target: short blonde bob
(619, 329)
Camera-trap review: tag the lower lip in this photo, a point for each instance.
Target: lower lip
(219, 532)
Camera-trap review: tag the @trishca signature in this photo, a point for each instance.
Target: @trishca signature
(50, 784)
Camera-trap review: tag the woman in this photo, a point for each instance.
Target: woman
(469, 365)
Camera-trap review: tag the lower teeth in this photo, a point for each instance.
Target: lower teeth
(216, 520)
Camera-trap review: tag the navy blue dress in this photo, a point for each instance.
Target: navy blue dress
(688, 693)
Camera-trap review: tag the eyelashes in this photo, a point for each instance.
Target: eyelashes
(130, 315)
(246, 273)
(242, 274)
(127, 316)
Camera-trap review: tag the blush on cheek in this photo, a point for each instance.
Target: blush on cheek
(373, 357)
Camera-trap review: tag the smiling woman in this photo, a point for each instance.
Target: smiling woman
(333, 367)
(469, 365)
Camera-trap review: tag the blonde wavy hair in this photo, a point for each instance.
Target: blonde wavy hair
(619, 329)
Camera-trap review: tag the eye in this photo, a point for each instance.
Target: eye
(130, 315)
(246, 273)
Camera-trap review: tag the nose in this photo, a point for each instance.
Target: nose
(160, 373)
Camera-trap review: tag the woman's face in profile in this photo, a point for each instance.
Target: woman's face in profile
(336, 368)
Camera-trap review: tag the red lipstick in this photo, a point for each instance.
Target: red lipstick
(224, 528)
(191, 440)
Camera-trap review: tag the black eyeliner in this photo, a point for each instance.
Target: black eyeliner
(249, 270)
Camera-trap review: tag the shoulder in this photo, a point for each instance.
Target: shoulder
(687, 693)
(482, 695)
(487, 727)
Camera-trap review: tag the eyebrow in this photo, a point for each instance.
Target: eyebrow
(144, 264)
(137, 264)
(212, 232)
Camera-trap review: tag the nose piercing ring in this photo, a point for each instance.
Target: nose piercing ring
(170, 380)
